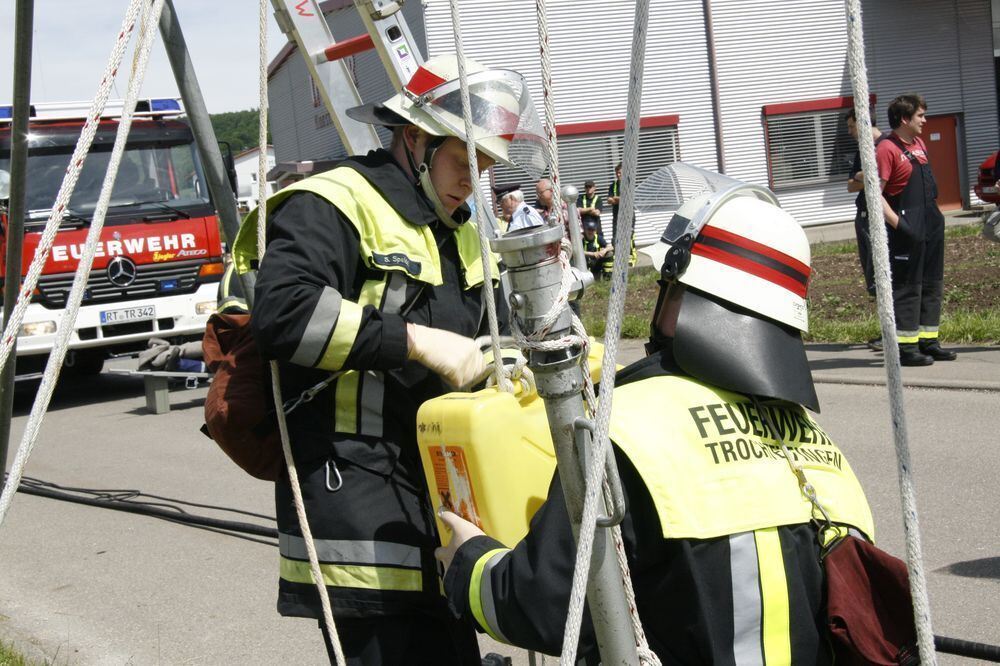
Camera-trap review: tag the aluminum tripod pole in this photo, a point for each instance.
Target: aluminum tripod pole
(204, 133)
(535, 270)
(15, 215)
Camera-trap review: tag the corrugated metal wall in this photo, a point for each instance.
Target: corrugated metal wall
(771, 53)
(767, 53)
(944, 51)
(591, 47)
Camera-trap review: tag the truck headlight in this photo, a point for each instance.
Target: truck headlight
(205, 307)
(38, 328)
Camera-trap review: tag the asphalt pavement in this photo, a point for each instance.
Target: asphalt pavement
(85, 585)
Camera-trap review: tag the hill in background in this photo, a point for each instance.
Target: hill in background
(237, 128)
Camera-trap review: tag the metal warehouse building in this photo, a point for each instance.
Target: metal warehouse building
(754, 88)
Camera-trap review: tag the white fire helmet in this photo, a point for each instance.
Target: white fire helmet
(506, 125)
(730, 240)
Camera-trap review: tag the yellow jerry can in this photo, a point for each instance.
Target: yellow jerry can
(488, 455)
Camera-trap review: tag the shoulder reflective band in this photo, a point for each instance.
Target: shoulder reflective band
(752, 257)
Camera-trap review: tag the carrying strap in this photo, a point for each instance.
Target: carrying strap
(827, 531)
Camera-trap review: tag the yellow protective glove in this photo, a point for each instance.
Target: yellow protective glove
(455, 358)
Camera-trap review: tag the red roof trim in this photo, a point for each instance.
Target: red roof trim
(598, 126)
(826, 104)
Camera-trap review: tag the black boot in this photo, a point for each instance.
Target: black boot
(933, 349)
(911, 356)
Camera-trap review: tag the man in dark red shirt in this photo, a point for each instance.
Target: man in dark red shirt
(916, 233)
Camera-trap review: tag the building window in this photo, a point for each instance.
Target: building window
(590, 151)
(322, 120)
(316, 96)
(807, 142)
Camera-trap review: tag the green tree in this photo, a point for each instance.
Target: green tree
(238, 128)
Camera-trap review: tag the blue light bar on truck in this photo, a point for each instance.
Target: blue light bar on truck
(164, 105)
(161, 106)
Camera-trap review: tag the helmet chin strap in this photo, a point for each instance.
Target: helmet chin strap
(423, 174)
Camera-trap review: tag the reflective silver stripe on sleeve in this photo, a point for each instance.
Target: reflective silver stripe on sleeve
(372, 403)
(486, 594)
(323, 320)
(377, 553)
(746, 599)
(395, 293)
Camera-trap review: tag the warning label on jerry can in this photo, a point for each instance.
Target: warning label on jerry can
(453, 482)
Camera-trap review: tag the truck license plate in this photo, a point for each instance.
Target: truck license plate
(142, 313)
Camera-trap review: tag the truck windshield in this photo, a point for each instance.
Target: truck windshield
(159, 171)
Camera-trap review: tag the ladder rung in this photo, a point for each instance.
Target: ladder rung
(348, 47)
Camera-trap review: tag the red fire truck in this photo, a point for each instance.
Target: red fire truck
(159, 258)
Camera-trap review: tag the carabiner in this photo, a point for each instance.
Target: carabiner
(340, 479)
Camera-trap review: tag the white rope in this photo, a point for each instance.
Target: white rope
(262, 112)
(69, 181)
(616, 307)
(501, 375)
(75, 298)
(279, 406)
(548, 102)
(883, 284)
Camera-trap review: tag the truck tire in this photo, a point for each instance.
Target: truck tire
(84, 362)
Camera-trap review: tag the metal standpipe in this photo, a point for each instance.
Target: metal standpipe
(23, 37)
(532, 259)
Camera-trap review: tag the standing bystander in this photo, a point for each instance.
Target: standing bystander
(545, 197)
(614, 198)
(916, 233)
(856, 183)
(589, 204)
(508, 199)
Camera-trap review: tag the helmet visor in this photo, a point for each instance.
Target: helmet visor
(692, 195)
(505, 122)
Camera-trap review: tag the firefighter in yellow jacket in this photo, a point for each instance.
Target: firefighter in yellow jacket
(373, 269)
(724, 547)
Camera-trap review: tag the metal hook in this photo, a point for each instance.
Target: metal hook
(340, 479)
(615, 493)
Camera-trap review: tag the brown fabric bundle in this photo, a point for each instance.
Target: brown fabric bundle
(239, 409)
(869, 609)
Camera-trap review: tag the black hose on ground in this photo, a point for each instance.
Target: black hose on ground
(146, 509)
(968, 649)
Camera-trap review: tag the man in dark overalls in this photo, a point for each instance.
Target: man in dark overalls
(916, 233)
(856, 183)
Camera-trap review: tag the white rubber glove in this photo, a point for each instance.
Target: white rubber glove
(455, 358)
(461, 531)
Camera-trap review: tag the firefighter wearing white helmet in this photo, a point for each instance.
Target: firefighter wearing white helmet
(373, 270)
(723, 547)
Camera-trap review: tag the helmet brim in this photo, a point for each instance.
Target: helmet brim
(376, 113)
